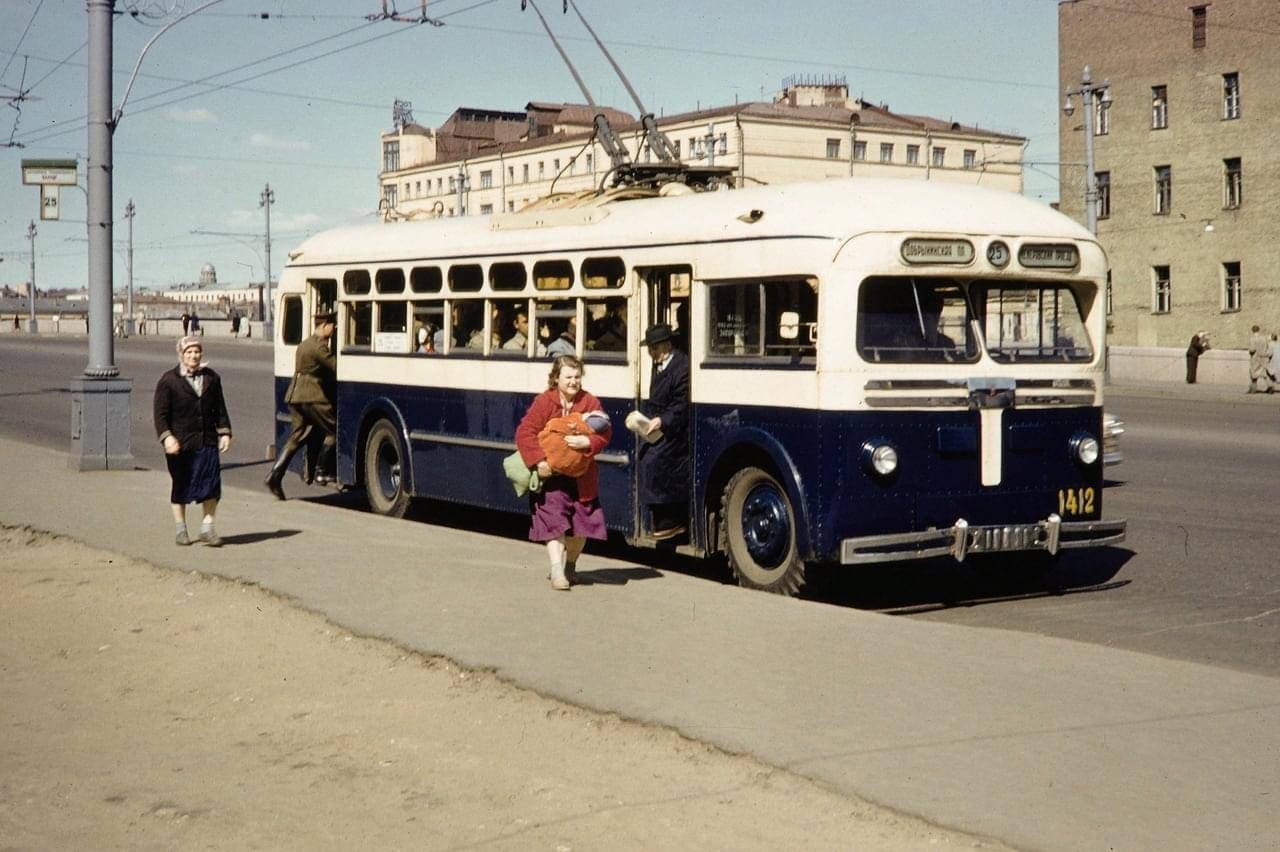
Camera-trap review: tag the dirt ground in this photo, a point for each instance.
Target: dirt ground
(142, 708)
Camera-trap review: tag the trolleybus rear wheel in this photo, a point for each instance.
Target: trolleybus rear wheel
(384, 462)
(760, 533)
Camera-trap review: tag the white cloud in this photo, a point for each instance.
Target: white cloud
(199, 115)
(266, 140)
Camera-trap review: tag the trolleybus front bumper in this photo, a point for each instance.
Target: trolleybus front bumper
(1050, 535)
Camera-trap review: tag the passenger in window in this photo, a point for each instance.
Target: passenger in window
(476, 340)
(664, 464)
(565, 511)
(458, 336)
(519, 341)
(567, 342)
(613, 331)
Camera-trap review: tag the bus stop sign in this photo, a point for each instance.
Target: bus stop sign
(49, 175)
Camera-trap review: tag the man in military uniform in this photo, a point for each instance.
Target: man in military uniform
(310, 399)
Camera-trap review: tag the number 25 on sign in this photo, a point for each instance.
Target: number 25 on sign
(1075, 501)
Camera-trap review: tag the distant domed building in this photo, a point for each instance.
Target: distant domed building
(208, 275)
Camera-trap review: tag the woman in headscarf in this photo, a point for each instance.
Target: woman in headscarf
(193, 425)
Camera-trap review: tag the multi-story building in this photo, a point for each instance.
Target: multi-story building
(1184, 157)
(483, 161)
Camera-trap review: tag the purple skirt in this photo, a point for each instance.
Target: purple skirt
(196, 476)
(557, 511)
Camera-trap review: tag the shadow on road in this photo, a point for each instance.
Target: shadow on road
(937, 584)
(255, 537)
(39, 392)
(614, 576)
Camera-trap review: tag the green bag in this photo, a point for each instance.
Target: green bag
(523, 480)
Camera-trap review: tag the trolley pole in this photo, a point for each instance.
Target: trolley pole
(99, 396)
(32, 328)
(129, 211)
(265, 200)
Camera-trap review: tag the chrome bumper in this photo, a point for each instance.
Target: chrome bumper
(1050, 535)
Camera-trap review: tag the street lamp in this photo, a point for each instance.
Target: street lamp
(129, 212)
(1086, 93)
(32, 328)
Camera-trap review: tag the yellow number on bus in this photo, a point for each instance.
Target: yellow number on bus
(1075, 501)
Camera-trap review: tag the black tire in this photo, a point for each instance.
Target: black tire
(384, 481)
(758, 533)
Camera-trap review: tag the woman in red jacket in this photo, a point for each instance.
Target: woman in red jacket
(566, 511)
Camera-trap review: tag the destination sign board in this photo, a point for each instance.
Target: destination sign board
(920, 250)
(1048, 256)
(49, 172)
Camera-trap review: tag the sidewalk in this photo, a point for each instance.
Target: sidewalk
(1201, 391)
(1038, 742)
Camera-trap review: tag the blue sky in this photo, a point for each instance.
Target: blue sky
(306, 100)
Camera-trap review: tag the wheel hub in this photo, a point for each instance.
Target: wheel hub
(766, 527)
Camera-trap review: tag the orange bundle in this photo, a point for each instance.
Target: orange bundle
(563, 458)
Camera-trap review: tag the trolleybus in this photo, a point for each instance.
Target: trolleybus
(881, 370)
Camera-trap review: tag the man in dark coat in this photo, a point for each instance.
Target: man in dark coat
(664, 464)
(310, 398)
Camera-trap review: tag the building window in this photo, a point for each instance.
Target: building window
(556, 165)
(913, 155)
(511, 174)
(439, 185)
(1164, 190)
(833, 149)
(693, 147)
(588, 162)
(511, 207)
(453, 183)
(722, 144)
(524, 173)
(389, 195)
(1101, 114)
(1233, 183)
(886, 152)
(859, 150)
(676, 145)
(970, 158)
(391, 156)
(406, 191)
(486, 209)
(1231, 95)
(1159, 107)
(486, 180)
(1199, 25)
(939, 156)
(1103, 180)
(542, 170)
(1162, 295)
(1110, 297)
(417, 188)
(1231, 285)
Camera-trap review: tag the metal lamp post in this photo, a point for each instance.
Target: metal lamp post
(1086, 93)
(129, 212)
(32, 328)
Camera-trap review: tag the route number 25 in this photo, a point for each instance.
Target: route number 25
(1075, 501)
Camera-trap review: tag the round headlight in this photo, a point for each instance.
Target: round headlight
(1087, 449)
(884, 459)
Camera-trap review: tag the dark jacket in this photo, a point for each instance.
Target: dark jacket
(664, 465)
(196, 421)
(314, 373)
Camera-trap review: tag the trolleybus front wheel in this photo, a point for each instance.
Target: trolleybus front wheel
(760, 533)
(384, 462)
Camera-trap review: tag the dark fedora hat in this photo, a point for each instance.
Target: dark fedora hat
(326, 316)
(657, 334)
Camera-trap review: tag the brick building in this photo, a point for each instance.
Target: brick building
(1185, 156)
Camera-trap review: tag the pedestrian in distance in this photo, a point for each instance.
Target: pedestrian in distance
(664, 463)
(186, 323)
(1273, 368)
(1259, 361)
(194, 427)
(195, 324)
(310, 396)
(565, 511)
(1198, 346)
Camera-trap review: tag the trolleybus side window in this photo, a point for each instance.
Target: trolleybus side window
(466, 278)
(915, 320)
(774, 319)
(358, 329)
(390, 280)
(467, 324)
(557, 323)
(425, 279)
(428, 321)
(507, 276)
(393, 335)
(603, 273)
(1032, 322)
(606, 331)
(510, 330)
(293, 324)
(553, 275)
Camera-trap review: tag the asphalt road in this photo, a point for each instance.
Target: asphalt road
(1196, 579)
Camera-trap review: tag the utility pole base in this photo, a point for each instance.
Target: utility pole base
(100, 424)
(33, 326)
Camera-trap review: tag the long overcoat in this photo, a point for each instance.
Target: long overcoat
(314, 373)
(664, 465)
